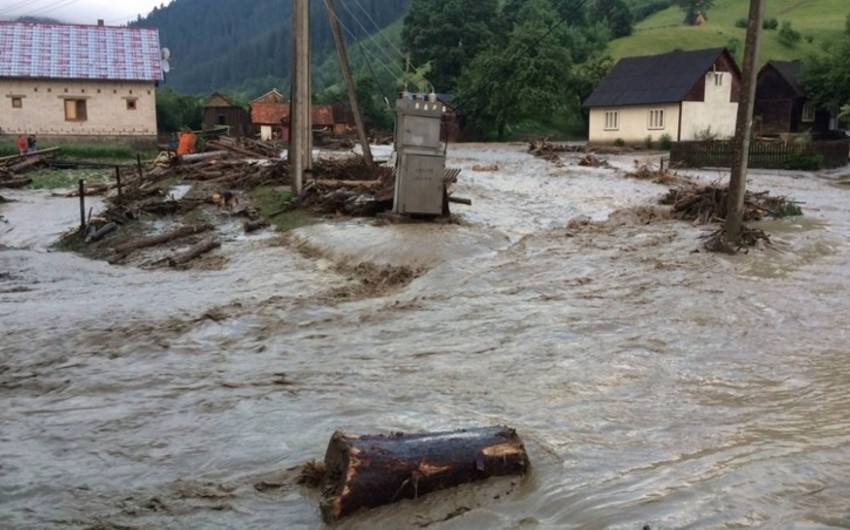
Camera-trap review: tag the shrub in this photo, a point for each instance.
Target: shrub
(665, 142)
(706, 134)
(648, 141)
(803, 162)
(741, 23)
(770, 23)
(619, 142)
(788, 36)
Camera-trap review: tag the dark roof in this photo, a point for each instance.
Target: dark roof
(790, 72)
(665, 78)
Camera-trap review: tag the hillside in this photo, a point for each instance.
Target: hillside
(818, 21)
(245, 47)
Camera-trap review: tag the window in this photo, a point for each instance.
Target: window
(718, 78)
(656, 119)
(17, 102)
(75, 110)
(612, 120)
(131, 104)
(808, 112)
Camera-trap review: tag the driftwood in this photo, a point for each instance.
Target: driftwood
(15, 183)
(253, 226)
(97, 233)
(121, 251)
(370, 471)
(201, 248)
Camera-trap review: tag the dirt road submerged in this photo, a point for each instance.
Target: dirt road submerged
(653, 385)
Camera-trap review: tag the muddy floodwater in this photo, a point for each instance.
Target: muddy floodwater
(652, 383)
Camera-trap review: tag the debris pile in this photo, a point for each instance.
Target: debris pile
(13, 167)
(590, 160)
(708, 204)
(660, 175)
(551, 152)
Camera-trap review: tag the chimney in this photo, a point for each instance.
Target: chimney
(100, 22)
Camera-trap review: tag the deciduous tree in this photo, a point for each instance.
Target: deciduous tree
(693, 8)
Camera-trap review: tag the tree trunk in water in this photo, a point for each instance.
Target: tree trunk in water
(184, 231)
(201, 248)
(370, 471)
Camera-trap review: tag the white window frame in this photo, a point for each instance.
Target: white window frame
(655, 119)
(612, 120)
(808, 112)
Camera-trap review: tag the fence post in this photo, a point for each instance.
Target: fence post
(82, 205)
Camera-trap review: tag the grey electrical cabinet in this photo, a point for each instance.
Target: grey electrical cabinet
(421, 163)
(422, 188)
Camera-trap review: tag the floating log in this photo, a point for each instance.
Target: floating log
(201, 248)
(460, 200)
(370, 471)
(121, 251)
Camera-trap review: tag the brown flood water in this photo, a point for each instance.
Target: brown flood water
(652, 384)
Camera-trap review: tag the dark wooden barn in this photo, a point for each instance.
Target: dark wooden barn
(781, 106)
(220, 110)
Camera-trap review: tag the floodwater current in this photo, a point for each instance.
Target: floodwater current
(653, 384)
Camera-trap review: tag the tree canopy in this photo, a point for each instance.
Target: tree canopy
(693, 8)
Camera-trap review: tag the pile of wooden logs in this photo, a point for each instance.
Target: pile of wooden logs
(13, 167)
(708, 204)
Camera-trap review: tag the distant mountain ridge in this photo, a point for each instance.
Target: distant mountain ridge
(245, 46)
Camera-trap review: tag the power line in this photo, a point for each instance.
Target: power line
(400, 73)
(54, 5)
(368, 35)
(13, 7)
(372, 20)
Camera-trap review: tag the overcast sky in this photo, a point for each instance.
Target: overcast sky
(114, 12)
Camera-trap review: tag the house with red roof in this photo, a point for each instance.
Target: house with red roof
(79, 81)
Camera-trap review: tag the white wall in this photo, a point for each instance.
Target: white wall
(717, 112)
(43, 108)
(634, 125)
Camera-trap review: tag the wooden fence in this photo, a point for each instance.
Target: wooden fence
(763, 154)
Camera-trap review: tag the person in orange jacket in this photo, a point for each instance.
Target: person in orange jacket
(22, 144)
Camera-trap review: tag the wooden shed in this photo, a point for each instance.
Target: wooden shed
(220, 110)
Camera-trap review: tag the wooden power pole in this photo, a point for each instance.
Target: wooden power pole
(743, 126)
(349, 82)
(299, 116)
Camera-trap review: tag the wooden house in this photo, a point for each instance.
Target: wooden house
(220, 110)
(781, 105)
(682, 94)
(88, 82)
(270, 115)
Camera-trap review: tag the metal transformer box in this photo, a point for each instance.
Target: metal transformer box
(421, 163)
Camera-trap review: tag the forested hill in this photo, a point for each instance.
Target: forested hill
(245, 45)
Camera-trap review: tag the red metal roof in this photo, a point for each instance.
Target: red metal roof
(64, 51)
(269, 113)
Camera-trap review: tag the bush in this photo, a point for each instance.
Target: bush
(665, 142)
(619, 142)
(741, 23)
(803, 162)
(705, 135)
(788, 36)
(770, 23)
(648, 141)
(644, 11)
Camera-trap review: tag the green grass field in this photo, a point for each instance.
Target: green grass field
(818, 21)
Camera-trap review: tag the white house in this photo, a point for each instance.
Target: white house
(683, 95)
(76, 81)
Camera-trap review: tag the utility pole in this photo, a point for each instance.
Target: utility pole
(349, 82)
(300, 97)
(743, 126)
